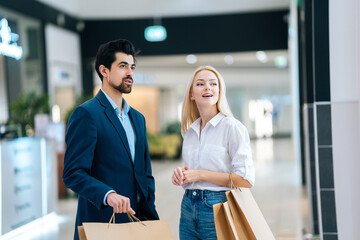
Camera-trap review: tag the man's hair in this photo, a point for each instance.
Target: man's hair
(106, 53)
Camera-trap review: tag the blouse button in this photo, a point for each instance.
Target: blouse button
(194, 193)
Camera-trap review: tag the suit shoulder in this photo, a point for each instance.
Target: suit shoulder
(137, 113)
(86, 108)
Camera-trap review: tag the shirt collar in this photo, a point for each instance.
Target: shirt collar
(125, 105)
(214, 121)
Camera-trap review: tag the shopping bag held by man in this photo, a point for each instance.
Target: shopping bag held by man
(152, 230)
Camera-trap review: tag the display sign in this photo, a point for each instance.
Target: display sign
(155, 33)
(8, 44)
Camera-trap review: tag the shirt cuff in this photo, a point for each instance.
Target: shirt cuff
(104, 202)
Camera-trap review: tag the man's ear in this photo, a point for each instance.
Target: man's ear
(104, 71)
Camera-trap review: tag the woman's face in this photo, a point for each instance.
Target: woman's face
(205, 89)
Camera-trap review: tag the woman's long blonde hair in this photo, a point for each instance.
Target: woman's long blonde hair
(189, 110)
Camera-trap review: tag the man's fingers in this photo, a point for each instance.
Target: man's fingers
(132, 211)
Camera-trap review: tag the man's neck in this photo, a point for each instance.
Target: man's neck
(115, 95)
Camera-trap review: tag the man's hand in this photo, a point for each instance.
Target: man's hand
(119, 203)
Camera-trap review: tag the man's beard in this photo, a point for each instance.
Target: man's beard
(123, 87)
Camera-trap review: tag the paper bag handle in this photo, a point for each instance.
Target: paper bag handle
(135, 219)
(231, 183)
(130, 216)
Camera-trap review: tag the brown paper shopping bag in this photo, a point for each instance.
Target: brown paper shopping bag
(152, 230)
(249, 222)
(224, 224)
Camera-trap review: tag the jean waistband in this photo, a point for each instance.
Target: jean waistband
(198, 193)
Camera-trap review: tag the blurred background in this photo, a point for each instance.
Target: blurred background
(292, 77)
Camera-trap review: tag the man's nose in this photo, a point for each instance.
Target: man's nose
(130, 72)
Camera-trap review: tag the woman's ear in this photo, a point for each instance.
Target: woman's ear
(191, 96)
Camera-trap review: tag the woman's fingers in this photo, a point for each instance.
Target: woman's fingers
(177, 177)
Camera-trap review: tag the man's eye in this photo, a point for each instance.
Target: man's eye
(123, 66)
(133, 68)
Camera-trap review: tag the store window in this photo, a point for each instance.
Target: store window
(20, 73)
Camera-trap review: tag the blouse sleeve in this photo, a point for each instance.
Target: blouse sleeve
(240, 152)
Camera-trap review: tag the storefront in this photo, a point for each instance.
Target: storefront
(22, 59)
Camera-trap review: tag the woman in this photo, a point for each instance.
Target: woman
(215, 146)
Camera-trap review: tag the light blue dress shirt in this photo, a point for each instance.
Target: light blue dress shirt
(126, 123)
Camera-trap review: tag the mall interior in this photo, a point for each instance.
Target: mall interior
(291, 69)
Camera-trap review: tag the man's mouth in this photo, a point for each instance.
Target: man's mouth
(128, 81)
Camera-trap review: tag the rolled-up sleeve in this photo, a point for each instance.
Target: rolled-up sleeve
(240, 152)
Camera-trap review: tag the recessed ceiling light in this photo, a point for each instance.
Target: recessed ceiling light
(191, 59)
(261, 56)
(229, 59)
(280, 61)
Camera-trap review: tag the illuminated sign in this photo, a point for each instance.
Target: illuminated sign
(155, 33)
(8, 45)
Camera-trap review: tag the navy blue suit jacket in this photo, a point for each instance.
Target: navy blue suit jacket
(98, 159)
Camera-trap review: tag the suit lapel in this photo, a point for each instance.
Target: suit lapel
(111, 115)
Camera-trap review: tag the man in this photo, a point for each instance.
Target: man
(107, 159)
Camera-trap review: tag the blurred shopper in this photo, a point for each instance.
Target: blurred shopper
(215, 146)
(107, 159)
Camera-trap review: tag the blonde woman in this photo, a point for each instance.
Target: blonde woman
(215, 146)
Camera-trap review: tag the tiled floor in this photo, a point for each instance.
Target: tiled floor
(277, 190)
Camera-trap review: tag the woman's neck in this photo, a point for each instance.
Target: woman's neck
(206, 115)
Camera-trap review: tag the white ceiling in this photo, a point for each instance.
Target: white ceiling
(120, 9)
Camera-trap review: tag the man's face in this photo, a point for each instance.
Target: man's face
(120, 74)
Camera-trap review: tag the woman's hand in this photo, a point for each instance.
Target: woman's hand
(178, 176)
(191, 175)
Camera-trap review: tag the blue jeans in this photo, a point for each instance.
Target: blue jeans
(197, 217)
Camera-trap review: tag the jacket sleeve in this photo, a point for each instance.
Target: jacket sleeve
(81, 139)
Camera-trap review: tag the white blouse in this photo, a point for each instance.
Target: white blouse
(224, 146)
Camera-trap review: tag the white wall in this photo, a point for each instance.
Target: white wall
(63, 57)
(243, 84)
(344, 28)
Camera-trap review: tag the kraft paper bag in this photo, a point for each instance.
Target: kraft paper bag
(224, 224)
(152, 230)
(250, 223)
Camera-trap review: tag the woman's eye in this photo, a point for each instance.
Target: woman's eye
(214, 84)
(199, 84)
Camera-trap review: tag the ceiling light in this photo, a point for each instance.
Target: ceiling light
(280, 61)
(191, 59)
(261, 56)
(229, 59)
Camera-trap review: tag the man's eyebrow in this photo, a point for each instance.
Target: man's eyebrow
(126, 63)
